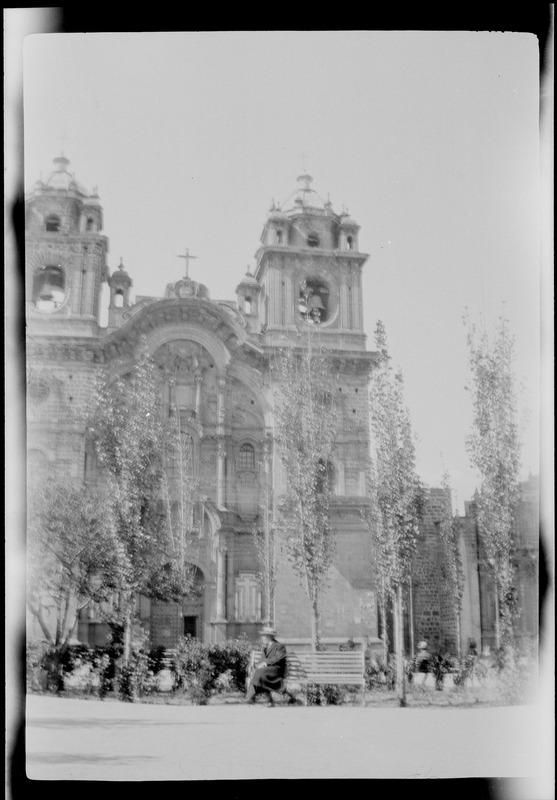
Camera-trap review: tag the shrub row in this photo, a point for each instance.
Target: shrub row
(194, 669)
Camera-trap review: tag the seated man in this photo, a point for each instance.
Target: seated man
(270, 673)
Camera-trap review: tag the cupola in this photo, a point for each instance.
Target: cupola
(247, 293)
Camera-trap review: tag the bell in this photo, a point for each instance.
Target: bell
(315, 303)
(47, 292)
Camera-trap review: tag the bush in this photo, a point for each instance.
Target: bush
(36, 656)
(193, 671)
(157, 659)
(325, 695)
(135, 679)
(230, 657)
(379, 675)
(517, 675)
(102, 669)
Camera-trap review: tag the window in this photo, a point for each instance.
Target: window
(119, 298)
(313, 240)
(324, 476)
(247, 597)
(279, 237)
(90, 226)
(52, 223)
(248, 305)
(350, 242)
(48, 288)
(246, 458)
(314, 301)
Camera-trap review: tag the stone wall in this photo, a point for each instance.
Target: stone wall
(425, 574)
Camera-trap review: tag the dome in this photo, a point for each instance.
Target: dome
(93, 199)
(348, 222)
(305, 196)
(120, 277)
(248, 280)
(62, 179)
(275, 215)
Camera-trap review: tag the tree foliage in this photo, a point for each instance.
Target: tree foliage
(132, 442)
(395, 491)
(305, 433)
(265, 538)
(450, 533)
(70, 554)
(180, 494)
(494, 450)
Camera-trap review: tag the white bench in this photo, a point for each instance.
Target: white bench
(321, 668)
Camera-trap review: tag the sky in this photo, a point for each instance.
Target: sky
(430, 139)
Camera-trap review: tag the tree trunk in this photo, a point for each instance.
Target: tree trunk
(127, 628)
(38, 614)
(399, 647)
(497, 625)
(384, 629)
(458, 635)
(315, 637)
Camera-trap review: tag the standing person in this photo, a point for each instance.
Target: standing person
(270, 673)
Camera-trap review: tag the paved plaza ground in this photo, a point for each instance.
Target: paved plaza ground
(91, 740)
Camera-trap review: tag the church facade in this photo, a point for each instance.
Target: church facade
(215, 357)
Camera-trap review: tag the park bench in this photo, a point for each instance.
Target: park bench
(321, 668)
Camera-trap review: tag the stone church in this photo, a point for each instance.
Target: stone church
(216, 356)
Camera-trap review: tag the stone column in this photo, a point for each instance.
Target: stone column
(198, 382)
(221, 585)
(221, 388)
(221, 447)
(267, 453)
(221, 478)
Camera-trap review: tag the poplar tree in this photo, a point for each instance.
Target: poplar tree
(265, 539)
(180, 493)
(129, 436)
(305, 433)
(450, 533)
(396, 494)
(494, 450)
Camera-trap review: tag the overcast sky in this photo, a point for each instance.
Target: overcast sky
(430, 139)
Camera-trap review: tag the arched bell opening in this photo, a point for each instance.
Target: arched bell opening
(49, 289)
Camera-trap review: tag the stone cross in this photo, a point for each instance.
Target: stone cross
(187, 256)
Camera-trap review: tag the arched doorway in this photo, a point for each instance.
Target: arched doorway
(193, 606)
(170, 621)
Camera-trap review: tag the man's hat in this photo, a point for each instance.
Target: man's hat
(268, 632)
(422, 645)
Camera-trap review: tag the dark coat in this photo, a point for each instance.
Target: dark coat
(270, 677)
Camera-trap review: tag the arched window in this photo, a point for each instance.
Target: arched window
(246, 459)
(279, 236)
(119, 298)
(350, 242)
(248, 305)
(49, 288)
(52, 223)
(313, 240)
(90, 225)
(314, 301)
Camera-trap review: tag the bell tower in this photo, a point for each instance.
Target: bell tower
(309, 268)
(65, 254)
